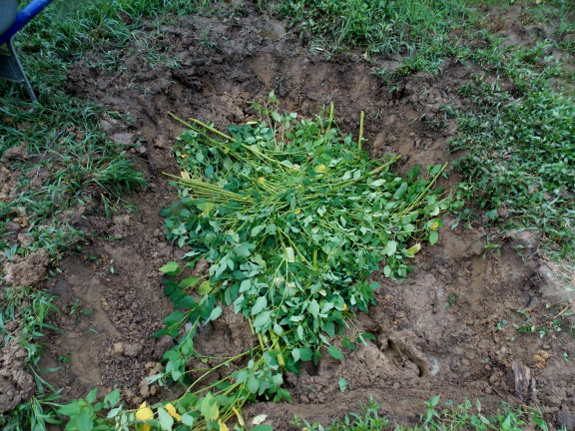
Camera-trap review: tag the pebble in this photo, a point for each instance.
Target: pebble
(118, 349)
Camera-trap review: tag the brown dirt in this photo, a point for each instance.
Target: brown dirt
(439, 332)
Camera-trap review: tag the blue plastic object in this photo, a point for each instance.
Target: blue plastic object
(10, 23)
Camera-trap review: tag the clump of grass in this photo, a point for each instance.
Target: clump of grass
(23, 314)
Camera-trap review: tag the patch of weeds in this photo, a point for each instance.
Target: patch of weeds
(367, 420)
(465, 416)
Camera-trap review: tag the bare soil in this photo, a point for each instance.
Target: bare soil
(439, 332)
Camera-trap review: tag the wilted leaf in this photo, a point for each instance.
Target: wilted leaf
(259, 419)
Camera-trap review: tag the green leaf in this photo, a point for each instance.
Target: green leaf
(91, 397)
(216, 312)
(166, 421)
(253, 384)
(433, 237)
(112, 398)
(260, 304)
(314, 308)
(242, 250)
(170, 268)
(343, 384)
(189, 282)
(387, 270)
(187, 420)
(334, 351)
(185, 302)
(245, 285)
(174, 318)
(290, 256)
(390, 248)
(114, 412)
(305, 353)
(71, 409)
(263, 428)
(256, 230)
(84, 421)
(278, 330)
(262, 319)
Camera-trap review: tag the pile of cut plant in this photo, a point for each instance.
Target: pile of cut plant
(293, 218)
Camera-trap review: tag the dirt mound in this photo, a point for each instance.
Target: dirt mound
(450, 329)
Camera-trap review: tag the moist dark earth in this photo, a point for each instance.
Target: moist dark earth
(441, 331)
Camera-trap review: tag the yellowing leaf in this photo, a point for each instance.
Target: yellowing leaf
(412, 250)
(321, 169)
(223, 426)
(185, 175)
(144, 413)
(261, 180)
(172, 411)
(435, 226)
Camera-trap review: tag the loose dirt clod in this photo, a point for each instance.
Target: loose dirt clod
(16, 384)
(29, 271)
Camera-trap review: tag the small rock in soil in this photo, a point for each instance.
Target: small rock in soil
(118, 349)
(28, 272)
(162, 346)
(132, 349)
(540, 358)
(126, 139)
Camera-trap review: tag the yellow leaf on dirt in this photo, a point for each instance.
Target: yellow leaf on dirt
(223, 426)
(144, 413)
(173, 413)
